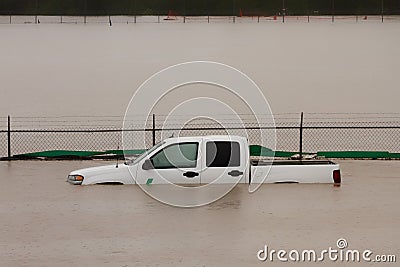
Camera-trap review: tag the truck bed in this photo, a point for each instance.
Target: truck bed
(290, 162)
(294, 171)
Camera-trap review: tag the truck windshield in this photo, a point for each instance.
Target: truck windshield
(133, 162)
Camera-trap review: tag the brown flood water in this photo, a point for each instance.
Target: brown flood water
(94, 69)
(48, 222)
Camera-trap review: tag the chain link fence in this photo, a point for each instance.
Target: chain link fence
(340, 132)
(347, 138)
(3, 143)
(110, 20)
(90, 140)
(3, 137)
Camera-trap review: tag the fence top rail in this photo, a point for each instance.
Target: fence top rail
(194, 129)
(162, 122)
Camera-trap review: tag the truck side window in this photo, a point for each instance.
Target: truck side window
(182, 155)
(222, 154)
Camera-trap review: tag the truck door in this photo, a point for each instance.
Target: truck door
(177, 163)
(223, 162)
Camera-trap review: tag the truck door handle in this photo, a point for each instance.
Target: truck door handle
(191, 174)
(235, 173)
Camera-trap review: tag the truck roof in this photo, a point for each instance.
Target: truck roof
(207, 137)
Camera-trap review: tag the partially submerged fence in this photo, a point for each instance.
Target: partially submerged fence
(199, 7)
(110, 20)
(332, 135)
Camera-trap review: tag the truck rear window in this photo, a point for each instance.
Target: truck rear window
(222, 154)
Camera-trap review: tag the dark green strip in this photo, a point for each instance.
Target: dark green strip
(354, 154)
(61, 153)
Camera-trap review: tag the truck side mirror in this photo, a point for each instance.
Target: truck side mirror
(147, 165)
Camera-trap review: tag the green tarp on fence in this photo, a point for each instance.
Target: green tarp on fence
(59, 153)
(354, 154)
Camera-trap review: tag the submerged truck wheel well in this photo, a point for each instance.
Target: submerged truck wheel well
(110, 183)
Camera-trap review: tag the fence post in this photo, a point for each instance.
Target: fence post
(154, 129)
(301, 136)
(9, 137)
(233, 11)
(36, 11)
(134, 11)
(184, 11)
(85, 10)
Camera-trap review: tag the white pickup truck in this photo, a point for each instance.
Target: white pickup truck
(204, 160)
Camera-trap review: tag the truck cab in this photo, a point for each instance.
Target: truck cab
(196, 160)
